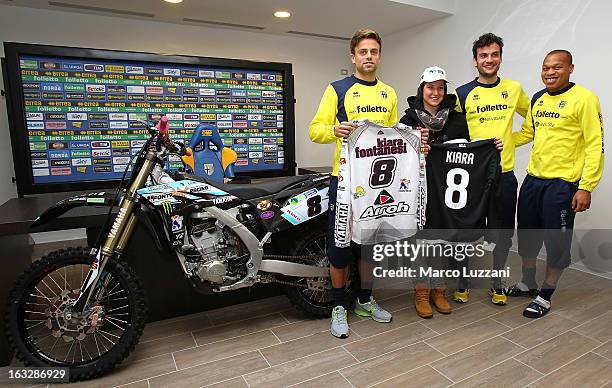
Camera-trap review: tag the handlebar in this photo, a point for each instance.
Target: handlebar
(160, 130)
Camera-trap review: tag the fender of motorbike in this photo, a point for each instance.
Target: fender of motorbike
(92, 199)
(291, 207)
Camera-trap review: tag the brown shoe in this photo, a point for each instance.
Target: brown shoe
(421, 301)
(438, 297)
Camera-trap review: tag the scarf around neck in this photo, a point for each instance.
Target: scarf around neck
(433, 123)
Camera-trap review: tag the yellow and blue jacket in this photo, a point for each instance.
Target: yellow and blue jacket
(489, 110)
(352, 99)
(566, 128)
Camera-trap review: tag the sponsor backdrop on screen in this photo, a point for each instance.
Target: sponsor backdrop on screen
(84, 116)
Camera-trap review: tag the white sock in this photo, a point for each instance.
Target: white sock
(542, 302)
(522, 286)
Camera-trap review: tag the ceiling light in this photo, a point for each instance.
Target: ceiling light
(282, 14)
(173, 1)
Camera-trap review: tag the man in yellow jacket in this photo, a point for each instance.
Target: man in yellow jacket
(489, 103)
(356, 97)
(565, 123)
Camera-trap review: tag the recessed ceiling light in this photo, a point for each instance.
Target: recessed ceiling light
(173, 1)
(282, 14)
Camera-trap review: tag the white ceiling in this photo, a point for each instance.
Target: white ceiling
(332, 18)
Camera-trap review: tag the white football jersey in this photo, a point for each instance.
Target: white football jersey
(382, 189)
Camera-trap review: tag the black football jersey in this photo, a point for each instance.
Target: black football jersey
(463, 191)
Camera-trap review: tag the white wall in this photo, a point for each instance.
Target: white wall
(530, 29)
(315, 62)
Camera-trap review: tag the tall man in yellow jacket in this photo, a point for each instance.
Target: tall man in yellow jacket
(356, 97)
(565, 123)
(489, 103)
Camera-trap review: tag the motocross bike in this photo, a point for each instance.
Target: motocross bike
(85, 309)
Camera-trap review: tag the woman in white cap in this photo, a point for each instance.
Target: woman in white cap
(433, 108)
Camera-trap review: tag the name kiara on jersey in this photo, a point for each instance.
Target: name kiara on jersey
(464, 191)
(383, 147)
(459, 157)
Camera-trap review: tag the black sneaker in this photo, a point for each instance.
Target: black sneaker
(518, 289)
(537, 309)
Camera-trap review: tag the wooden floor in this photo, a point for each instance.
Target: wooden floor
(267, 343)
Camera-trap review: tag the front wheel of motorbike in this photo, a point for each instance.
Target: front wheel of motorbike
(45, 332)
(313, 295)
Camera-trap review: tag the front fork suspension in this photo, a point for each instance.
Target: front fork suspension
(117, 239)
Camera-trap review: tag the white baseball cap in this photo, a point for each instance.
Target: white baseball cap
(432, 74)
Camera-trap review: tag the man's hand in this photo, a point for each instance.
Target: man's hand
(581, 201)
(344, 129)
(499, 144)
(424, 139)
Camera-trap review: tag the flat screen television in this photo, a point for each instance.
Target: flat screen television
(75, 114)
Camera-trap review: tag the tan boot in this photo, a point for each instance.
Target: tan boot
(438, 297)
(421, 301)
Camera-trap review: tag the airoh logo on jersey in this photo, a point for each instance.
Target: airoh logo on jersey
(491, 108)
(371, 109)
(384, 198)
(379, 211)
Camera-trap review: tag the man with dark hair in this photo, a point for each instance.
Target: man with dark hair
(489, 103)
(565, 123)
(356, 97)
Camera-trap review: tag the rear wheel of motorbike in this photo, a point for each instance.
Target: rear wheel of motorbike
(44, 335)
(313, 295)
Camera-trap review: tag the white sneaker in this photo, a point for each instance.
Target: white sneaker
(339, 325)
(373, 310)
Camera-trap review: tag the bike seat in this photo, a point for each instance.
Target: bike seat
(252, 190)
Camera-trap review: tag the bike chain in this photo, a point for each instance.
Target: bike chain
(286, 283)
(311, 257)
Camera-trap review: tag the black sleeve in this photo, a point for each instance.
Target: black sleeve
(462, 126)
(494, 213)
(410, 121)
(455, 128)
